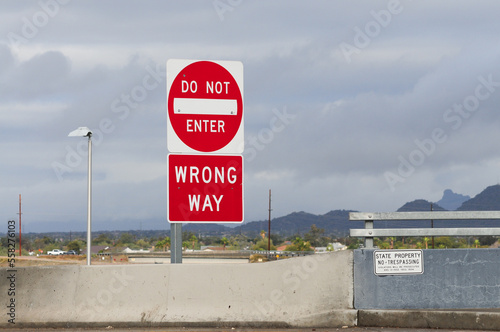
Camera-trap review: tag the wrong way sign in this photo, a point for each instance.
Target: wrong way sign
(205, 188)
(205, 106)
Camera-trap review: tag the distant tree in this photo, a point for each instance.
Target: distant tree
(391, 239)
(186, 236)
(263, 244)
(444, 242)
(276, 238)
(160, 245)
(224, 241)
(50, 247)
(126, 239)
(103, 240)
(27, 244)
(463, 243)
(299, 245)
(4, 242)
(41, 243)
(384, 245)
(142, 244)
(314, 235)
(239, 242)
(193, 240)
(476, 242)
(165, 243)
(74, 245)
(352, 242)
(400, 245)
(485, 240)
(211, 240)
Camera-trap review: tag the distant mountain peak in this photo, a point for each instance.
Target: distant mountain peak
(420, 205)
(452, 201)
(487, 200)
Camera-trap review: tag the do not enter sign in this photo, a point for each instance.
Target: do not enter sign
(205, 106)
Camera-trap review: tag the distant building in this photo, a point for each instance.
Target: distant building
(211, 248)
(336, 246)
(283, 246)
(132, 251)
(96, 250)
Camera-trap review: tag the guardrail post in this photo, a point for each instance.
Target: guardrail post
(369, 240)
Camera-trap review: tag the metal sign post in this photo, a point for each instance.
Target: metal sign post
(176, 243)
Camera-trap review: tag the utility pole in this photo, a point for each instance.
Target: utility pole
(20, 252)
(432, 226)
(269, 226)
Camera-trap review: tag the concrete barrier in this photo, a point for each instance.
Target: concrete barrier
(452, 279)
(476, 320)
(312, 291)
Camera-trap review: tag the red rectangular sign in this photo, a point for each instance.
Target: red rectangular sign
(205, 188)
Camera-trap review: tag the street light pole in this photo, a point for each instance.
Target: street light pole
(89, 201)
(269, 227)
(85, 132)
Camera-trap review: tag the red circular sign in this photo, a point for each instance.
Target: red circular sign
(205, 106)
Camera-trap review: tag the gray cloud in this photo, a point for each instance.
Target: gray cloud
(346, 123)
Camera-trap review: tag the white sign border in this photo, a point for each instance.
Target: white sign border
(174, 143)
(395, 272)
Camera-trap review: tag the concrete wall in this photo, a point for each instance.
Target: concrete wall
(312, 291)
(452, 279)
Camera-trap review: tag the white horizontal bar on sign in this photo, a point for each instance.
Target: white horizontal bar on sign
(205, 106)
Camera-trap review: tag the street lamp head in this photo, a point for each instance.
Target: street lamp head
(81, 132)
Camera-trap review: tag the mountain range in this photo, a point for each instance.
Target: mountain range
(337, 222)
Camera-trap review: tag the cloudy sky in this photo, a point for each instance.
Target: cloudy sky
(348, 105)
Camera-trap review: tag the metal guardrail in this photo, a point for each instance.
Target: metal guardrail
(192, 254)
(369, 217)
(274, 254)
(241, 254)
